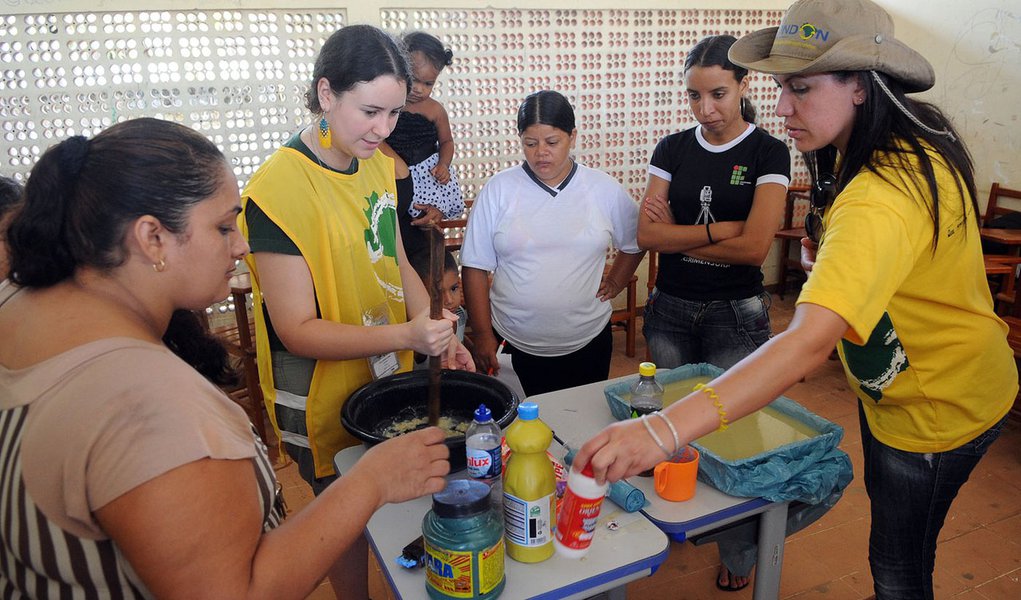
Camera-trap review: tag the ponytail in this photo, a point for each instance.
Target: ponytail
(431, 47)
(748, 112)
(83, 194)
(191, 341)
(37, 238)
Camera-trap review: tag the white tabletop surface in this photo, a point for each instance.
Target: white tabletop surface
(616, 557)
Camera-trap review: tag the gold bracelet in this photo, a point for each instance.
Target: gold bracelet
(724, 422)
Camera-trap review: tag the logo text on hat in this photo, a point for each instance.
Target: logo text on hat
(805, 31)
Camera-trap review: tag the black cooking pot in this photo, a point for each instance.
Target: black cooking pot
(377, 404)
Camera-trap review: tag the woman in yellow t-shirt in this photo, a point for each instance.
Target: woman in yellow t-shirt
(896, 282)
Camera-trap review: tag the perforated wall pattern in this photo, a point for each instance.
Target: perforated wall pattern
(239, 77)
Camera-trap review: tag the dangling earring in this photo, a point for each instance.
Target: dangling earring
(325, 135)
(742, 105)
(160, 266)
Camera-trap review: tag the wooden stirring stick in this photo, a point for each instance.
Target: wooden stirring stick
(436, 255)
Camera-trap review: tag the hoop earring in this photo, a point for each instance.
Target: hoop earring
(325, 135)
(742, 106)
(160, 266)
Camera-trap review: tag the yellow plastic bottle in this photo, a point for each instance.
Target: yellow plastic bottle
(529, 486)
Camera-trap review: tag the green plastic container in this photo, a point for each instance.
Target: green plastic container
(463, 544)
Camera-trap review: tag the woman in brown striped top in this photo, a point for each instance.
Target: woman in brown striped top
(123, 471)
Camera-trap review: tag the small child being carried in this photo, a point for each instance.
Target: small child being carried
(422, 135)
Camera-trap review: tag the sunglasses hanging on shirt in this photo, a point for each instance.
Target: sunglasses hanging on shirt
(823, 192)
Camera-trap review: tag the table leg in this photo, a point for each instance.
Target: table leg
(772, 534)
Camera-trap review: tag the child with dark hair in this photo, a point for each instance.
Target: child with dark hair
(453, 298)
(422, 139)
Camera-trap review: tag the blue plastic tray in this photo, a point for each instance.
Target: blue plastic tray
(806, 470)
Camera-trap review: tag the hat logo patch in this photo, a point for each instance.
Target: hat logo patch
(805, 31)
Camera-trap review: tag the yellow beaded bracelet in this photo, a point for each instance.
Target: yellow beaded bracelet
(724, 422)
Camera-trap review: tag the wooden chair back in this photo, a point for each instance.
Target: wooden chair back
(453, 229)
(239, 339)
(993, 208)
(625, 319)
(792, 230)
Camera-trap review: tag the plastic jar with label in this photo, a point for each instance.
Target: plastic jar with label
(464, 547)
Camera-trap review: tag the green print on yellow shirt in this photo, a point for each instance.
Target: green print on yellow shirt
(876, 364)
(381, 236)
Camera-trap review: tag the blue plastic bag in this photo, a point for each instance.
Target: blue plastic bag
(810, 470)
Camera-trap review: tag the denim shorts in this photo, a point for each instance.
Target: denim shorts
(718, 332)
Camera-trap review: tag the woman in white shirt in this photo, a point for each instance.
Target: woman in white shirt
(542, 228)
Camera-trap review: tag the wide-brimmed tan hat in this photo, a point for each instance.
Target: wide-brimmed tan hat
(821, 36)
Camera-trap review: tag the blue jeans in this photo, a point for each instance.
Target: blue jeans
(719, 332)
(911, 494)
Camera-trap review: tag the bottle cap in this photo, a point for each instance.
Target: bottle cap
(528, 411)
(461, 498)
(588, 472)
(482, 414)
(647, 369)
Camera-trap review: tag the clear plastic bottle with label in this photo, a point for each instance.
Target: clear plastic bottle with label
(483, 446)
(529, 486)
(646, 393)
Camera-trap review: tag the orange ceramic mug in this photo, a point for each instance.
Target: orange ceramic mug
(675, 478)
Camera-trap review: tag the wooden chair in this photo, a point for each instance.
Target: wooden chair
(1013, 321)
(626, 319)
(1001, 271)
(793, 230)
(453, 229)
(1003, 294)
(239, 338)
(653, 257)
(993, 208)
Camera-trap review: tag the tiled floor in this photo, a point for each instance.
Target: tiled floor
(979, 555)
